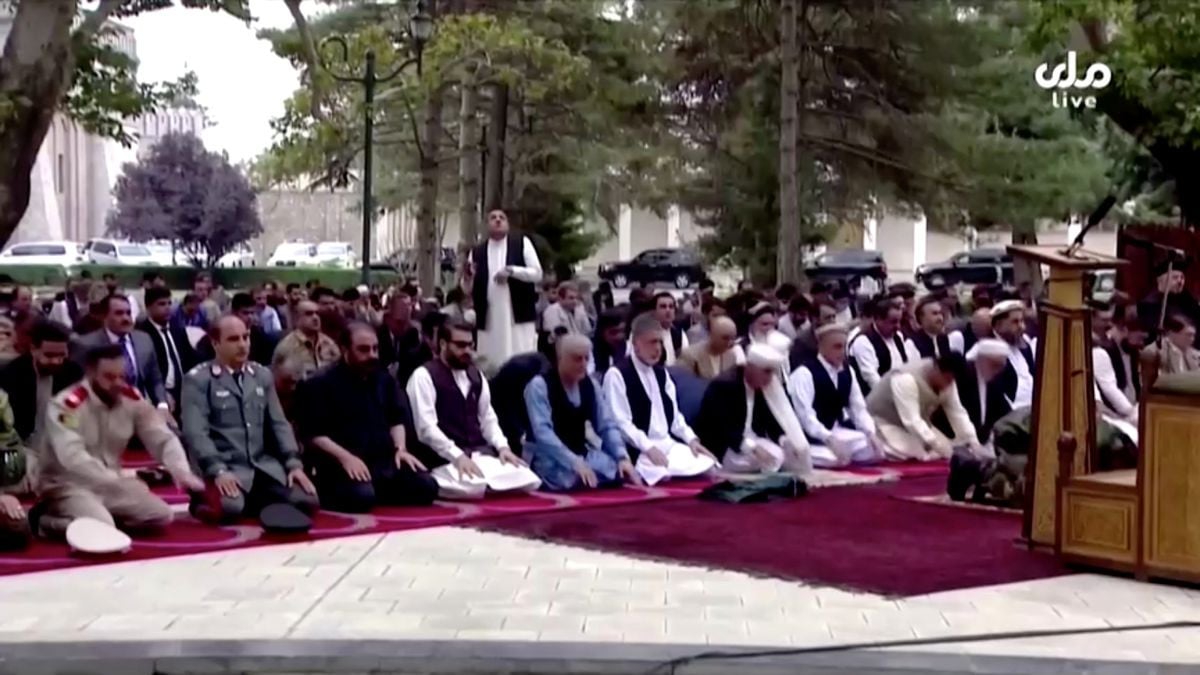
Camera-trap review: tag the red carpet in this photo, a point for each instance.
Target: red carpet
(186, 536)
(861, 538)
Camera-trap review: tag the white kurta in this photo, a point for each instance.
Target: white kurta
(681, 461)
(917, 439)
(502, 338)
(837, 446)
(452, 484)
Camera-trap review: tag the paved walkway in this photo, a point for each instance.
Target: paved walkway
(459, 584)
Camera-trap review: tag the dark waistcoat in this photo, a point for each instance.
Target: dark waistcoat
(458, 416)
(830, 400)
(639, 400)
(522, 293)
(570, 421)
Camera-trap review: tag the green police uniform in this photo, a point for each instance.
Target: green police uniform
(233, 422)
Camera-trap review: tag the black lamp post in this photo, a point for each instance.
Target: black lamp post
(420, 30)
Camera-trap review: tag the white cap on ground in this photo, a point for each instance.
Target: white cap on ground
(93, 537)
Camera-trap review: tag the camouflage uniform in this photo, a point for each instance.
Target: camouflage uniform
(296, 357)
(79, 461)
(14, 477)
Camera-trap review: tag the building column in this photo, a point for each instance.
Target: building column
(870, 234)
(673, 226)
(919, 241)
(625, 233)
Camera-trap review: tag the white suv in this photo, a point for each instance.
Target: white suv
(336, 254)
(116, 252)
(64, 253)
(293, 254)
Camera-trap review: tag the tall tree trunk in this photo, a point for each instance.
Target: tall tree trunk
(35, 74)
(789, 258)
(468, 162)
(429, 242)
(497, 133)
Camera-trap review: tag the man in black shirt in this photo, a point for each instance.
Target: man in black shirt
(400, 337)
(353, 415)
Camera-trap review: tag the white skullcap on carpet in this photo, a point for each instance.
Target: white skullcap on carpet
(1007, 306)
(991, 347)
(764, 355)
(831, 328)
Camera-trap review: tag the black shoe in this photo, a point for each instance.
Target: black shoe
(965, 472)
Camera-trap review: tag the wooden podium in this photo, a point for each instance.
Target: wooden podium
(1063, 399)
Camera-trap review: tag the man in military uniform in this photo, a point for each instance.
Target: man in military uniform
(306, 349)
(14, 481)
(88, 426)
(237, 435)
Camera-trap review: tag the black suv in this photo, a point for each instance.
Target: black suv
(678, 267)
(849, 265)
(980, 266)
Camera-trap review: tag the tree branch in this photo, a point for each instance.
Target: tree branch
(95, 19)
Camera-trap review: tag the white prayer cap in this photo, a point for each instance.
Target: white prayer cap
(764, 355)
(1006, 306)
(991, 347)
(831, 328)
(779, 341)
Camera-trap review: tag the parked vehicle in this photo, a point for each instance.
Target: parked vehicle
(980, 266)
(163, 254)
(848, 265)
(117, 252)
(240, 256)
(679, 267)
(335, 254)
(293, 254)
(65, 253)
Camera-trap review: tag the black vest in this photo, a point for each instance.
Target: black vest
(676, 341)
(458, 416)
(763, 422)
(603, 357)
(522, 293)
(570, 422)
(969, 339)
(924, 344)
(639, 400)
(968, 394)
(829, 400)
(882, 354)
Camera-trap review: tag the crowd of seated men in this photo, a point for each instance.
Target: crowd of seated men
(350, 401)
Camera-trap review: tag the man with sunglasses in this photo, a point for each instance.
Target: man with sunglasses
(306, 349)
(454, 420)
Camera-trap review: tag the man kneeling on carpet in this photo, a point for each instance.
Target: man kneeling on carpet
(352, 415)
(14, 481)
(642, 396)
(830, 404)
(453, 415)
(904, 402)
(748, 417)
(237, 435)
(562, 403)
(82, 492)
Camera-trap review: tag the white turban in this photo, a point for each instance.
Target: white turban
(779, 341)
(764, 355)
(1001, 308)
(991, 347)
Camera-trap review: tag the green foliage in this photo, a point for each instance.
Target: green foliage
(238, 278)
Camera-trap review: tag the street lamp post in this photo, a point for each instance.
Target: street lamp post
(420, 29)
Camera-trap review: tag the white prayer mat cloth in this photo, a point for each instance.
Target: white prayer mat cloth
(783, 457)
(944, 500)
(902, 445)
(681, 463)
(93, 537)
(822, 478)
(497, 476)
(845, 447)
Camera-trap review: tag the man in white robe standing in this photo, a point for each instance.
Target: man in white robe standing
(642, 396)
(830, 404)
(503, 274)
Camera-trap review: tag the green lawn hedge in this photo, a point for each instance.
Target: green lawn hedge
(181, 277)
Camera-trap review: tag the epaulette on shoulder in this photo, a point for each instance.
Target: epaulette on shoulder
(75, 397)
